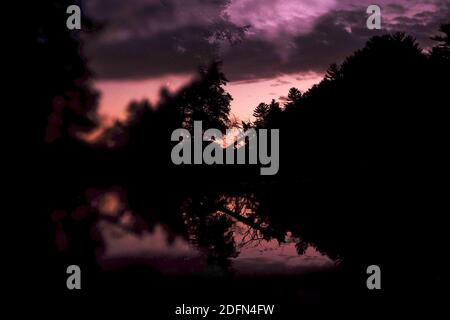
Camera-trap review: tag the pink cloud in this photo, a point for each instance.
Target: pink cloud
(278, 17)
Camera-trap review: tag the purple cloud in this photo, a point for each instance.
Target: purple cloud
(150, 38)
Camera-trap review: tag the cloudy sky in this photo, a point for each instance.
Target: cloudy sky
(267, 46)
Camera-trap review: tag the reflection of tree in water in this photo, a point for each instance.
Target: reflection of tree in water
(210, 230)
(224, 224)
(220, 225)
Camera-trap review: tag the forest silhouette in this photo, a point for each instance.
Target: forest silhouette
(362, 161)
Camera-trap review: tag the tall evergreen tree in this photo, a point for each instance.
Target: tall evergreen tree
(260, 113)
(293, 98)
(442, 50)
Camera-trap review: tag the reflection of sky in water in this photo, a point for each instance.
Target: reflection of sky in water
(256, 257)
(150, 248)
(272, 257)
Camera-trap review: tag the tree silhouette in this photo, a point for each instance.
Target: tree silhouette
(65, 96)
(267, 115)
(260, 113)
(332, 72)
(273, 115)
(293, 99)
(443, 49)
(206, 100)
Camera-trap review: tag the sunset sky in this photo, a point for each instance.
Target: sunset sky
(146, 44)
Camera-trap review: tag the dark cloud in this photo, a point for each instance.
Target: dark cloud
(335, 36)
(396, 8)
(251, 59)
(163, 53)
(143, 39)
(329, 41)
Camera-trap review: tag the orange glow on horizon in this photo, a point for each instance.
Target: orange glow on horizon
(117, 94)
